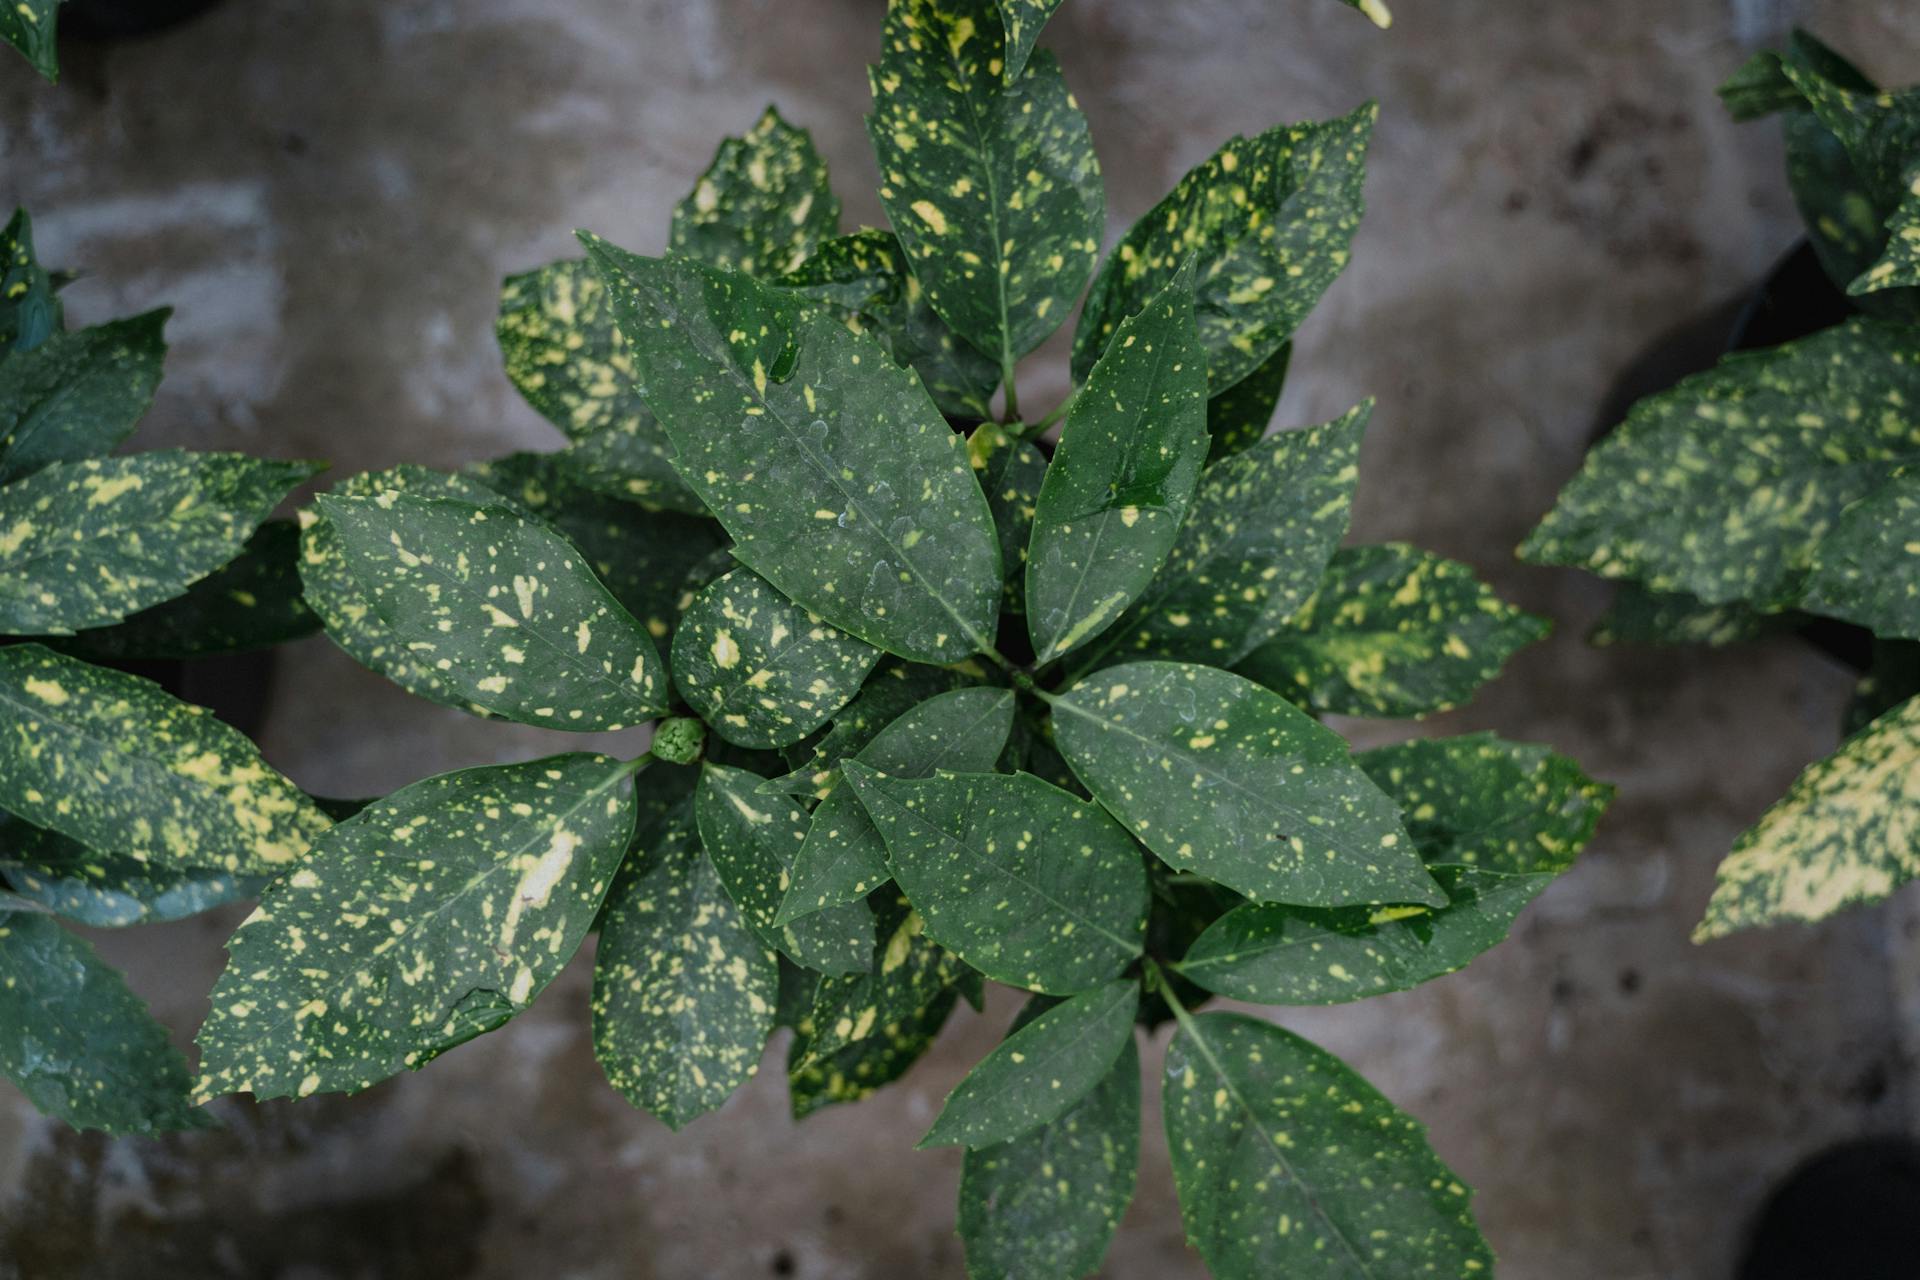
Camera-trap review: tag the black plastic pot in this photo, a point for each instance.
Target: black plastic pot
(1795, 300)
(109, 21)
(1853, 1211)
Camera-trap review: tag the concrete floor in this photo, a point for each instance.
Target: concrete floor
(329, 194)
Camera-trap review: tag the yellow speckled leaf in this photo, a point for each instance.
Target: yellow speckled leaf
(992, 187)
(78, 394)
(762, 206)
(84, 544)
(1376, 11)
(30, 310)
(1267, 221)
(507, 612)
(1847, 832)
(119, 764)
(1022, 21)
(759, 669)
(28, 25)
(1392, 631)
(1723, 486)
(429, 918)
(683, 992)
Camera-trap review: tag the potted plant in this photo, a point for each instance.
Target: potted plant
(122, 803)
(1777, 489)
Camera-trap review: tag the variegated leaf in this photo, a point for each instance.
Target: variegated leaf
(1048, 1202)
(119, 764)
(29, 307)
(85, 544)
(1041, 1071)
(643, 557)
(1267, 222)
(759, 669)
(753, 836)
(1288, 1163)
(1011, 471)
(1215, 773)
(1122, 477)
(1023, 881)
(764, 204)
(78, 1043)
(1640, 616)
(1022, 21)
(1842, 835)
(509, 615)
(109, 890)
(1239, 416)
(683, 991)
(1867, 569)
(906, 975)
(252, 602)
(78, 394)
(1263, 527)
(1392, 631)
(429, 918)
(1376, 11)
(991, 185)
(859, 1070)
(28, 25)
(1723, 486)
(1495, 822)
(864, 280)
(346, 608)
(844, 857)
(893, 689)
(839, 481)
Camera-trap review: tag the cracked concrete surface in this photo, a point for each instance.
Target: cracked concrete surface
(329, 195)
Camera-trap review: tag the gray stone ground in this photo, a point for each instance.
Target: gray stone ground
(329, 193)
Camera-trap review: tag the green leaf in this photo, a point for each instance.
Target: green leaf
(859, 1070)
(253, 602)
(78, 1043)
(1047, 1203)
(1288, 1163)
(78, 394)
(894, 689)
(85, 544)
(117, 763)
(509, 614)
(1022, 21)
(762, 206)
(570, 361)
(1640, 616)
(29, 308)
(991, 185)
(1041, 1071)
(108, 890)
(1239, 416)
(336, 596)
(1842, 835)
(1213, 772)
(683, 992)
(1392, 631)
(759, 669)
(431, 917)
(1024, 882)
(1723, 486)
(1263, 527)
(839, 481)
(753, 837)
(1267, 222)
(1495, 821)
(865, 281)
(643, 557)
(844, 857)
(1376, 11)
(906, 973)
(1122, 477)
(28, 25)
(1867, 570)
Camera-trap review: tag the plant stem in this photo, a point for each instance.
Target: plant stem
(1006, 380)
(1060, 411)
(1164, 985)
